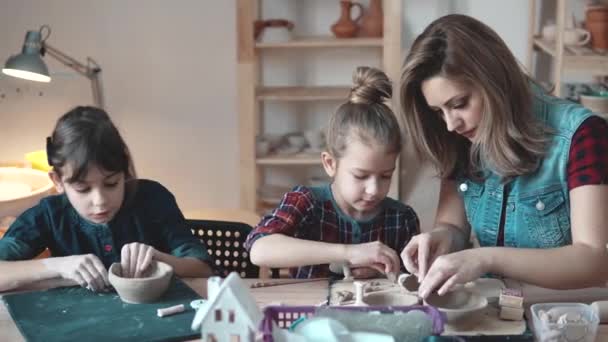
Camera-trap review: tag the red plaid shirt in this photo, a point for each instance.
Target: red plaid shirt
(588, 159)
(311, 213)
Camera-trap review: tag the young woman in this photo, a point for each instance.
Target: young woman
(525, 170)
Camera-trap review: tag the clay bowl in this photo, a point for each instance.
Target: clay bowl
(145, 289)
(457, 304)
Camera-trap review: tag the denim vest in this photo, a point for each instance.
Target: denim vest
(537, 210)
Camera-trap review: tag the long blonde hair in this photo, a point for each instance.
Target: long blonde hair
(365, 114)
(510, 141)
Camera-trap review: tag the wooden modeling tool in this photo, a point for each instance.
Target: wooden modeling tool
(288, 282)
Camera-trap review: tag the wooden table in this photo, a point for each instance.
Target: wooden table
(308, 293)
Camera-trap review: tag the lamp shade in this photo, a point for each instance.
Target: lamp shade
(28, 64)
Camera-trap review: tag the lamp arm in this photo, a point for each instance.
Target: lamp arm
(92, 71)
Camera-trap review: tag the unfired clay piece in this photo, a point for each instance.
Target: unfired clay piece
(153, 283)
(457, 304)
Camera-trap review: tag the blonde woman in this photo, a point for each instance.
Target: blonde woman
(525, 170)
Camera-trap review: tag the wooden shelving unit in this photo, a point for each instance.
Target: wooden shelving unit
(564, 57)
(295, 159)
(301, 93)
(253, 95)
(322, 42)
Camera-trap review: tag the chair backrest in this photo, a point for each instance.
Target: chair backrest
(224, 241)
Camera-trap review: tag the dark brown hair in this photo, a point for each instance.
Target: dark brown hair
(86, 136)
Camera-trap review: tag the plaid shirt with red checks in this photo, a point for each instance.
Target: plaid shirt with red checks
(588, 158)
(311, 213)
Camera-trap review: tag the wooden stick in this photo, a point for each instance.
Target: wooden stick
(288, 282)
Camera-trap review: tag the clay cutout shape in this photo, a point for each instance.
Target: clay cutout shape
(148, 288)
(409, 282)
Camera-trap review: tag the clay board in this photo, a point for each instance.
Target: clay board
(77, 314)
(485, 322)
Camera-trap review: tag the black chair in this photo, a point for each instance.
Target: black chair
(225, 244)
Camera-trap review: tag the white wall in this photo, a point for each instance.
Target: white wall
(169, 78)
(169, 72)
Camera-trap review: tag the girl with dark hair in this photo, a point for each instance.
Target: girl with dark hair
(526, 171)
(103, 214)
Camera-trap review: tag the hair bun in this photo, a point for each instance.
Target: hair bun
(370, 85)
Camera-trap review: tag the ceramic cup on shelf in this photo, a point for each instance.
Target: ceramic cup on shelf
(576, 37)
(315, 139)
(296, 140)
(572, 36)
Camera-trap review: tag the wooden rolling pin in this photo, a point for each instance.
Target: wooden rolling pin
(286, 282)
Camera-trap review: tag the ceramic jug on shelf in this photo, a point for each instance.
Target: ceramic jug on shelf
(346, 26)
(596, 21)
(372, 22)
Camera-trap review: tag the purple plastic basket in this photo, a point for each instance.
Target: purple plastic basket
(284, 316)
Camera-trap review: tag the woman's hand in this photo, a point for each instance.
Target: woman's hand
(135, 258)
(452, 269)
(422, 250)
(86, 270)
(365, 273)
(373, 254)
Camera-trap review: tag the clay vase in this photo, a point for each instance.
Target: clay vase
(346, 26)
(596, 22)
(372, 22)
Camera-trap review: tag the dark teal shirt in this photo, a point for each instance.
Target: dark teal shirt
(151, 216)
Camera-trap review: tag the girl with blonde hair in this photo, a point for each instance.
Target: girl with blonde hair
(351, 220)
(525, 170)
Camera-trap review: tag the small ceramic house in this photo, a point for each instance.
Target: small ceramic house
(230, 312)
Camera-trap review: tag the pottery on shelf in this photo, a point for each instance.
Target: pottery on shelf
(260, 25)
(372, 21)
(145, 289)
(346, 26)
(596, 21)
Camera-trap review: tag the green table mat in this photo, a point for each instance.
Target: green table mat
(76, 314)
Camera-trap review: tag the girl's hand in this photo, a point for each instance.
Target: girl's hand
(135, 258)
(365, 273)
(452, 269)
(423, 249)
(373, 254)
(86, 270)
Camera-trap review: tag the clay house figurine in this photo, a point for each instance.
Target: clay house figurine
(230, 312)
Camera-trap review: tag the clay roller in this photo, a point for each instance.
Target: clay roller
(172, 310)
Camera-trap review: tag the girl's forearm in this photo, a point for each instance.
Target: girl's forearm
(185, 267)
(17, 274)
(278, 251)
(568, 267)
